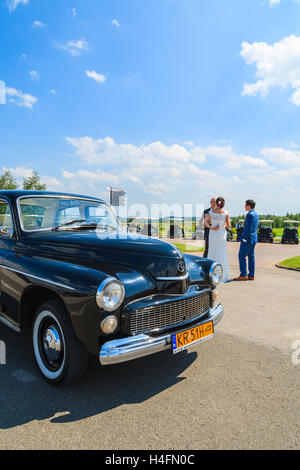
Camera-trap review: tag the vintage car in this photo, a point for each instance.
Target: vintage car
(71, 273)
(290, 232)
(265, 232)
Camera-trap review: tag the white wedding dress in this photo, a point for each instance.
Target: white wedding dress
(217, 246)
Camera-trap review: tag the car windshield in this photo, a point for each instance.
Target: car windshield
(66, 213)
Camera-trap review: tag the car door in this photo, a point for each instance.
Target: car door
(6, 247)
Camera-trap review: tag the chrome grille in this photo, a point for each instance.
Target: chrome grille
(169, 313)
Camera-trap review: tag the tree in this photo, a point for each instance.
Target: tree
(7, 181)
(33, 182)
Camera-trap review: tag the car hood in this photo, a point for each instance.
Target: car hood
(103, 250)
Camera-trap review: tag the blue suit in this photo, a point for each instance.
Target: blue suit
(248, 242)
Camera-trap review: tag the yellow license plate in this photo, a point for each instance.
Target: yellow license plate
(190, 337)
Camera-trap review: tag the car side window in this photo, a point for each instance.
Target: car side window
(6, 222)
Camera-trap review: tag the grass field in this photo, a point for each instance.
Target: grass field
(293, 263)
(188, 248)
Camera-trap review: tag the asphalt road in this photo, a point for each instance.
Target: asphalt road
(240, 390)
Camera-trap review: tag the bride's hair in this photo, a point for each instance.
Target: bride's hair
(220, 201)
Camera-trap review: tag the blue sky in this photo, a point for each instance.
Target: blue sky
(173, 100)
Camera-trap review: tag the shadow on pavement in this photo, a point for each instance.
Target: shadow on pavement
(25, 396)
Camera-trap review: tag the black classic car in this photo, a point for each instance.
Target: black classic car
(71, 273)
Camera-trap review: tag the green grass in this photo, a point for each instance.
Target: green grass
(291, 263)
(278, 232)
(188, 248)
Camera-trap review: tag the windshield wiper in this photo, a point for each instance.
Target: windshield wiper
(108, 227)
(76, 221)
(83, 224)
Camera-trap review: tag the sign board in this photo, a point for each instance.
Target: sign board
(117, 197)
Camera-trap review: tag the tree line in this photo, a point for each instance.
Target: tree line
(33, 182)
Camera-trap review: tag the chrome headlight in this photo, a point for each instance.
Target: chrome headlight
(216, 273)
(110, 294)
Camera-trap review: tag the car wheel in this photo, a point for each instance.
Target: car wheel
(60, 356)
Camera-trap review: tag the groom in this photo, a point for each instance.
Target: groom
(248, 242)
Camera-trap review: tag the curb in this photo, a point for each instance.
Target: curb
(289, 269)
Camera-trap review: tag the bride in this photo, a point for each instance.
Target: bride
(217, 221)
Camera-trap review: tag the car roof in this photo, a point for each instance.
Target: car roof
(291, 222)
(14, 194)
(266, 220)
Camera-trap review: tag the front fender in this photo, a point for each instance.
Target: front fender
(198, 269)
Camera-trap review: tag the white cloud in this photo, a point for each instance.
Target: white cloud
(277, 65)
(21, 172)
(94, 151)
(74, 12)
(38, 24)
(189, 143)
(19, 98)
(277, 2)
(75, 48)
(90, 179)
(52, 91)
(100, 78)
(34, 75)
(282, 156)
(232, 160)
(156, 172)
(12, 4)
(165, 170)
(115, 22)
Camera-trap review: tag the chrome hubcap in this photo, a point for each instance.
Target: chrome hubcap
(52, 344)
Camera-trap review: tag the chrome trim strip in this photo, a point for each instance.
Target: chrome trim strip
(134, 347)
(178, 278)
(9, 324)
(38, 278)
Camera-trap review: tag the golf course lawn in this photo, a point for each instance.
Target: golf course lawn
(293, 263)
(188, 248)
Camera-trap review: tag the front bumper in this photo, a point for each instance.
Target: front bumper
(133, 347)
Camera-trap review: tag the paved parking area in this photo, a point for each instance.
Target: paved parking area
(240, 390)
